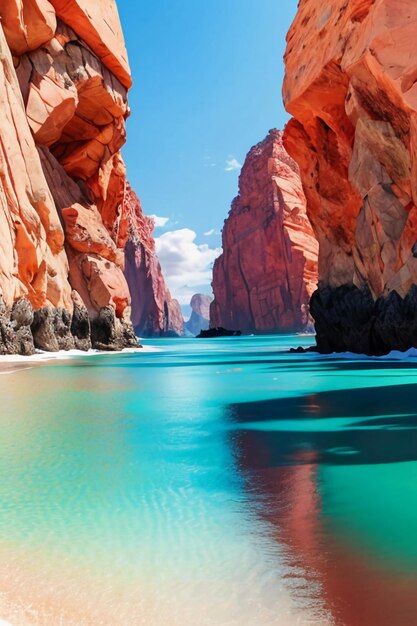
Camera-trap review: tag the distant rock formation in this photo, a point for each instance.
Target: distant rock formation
(154, 312)
(64, 77)
(268, 270)
(200, 316)
(212, 333)
(351, 88)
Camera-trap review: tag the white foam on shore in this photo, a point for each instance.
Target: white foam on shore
(41, 356)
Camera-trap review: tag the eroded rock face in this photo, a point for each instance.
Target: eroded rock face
(15, 328)
(351, 88)
(268, 269)
(64, 77)
(154, 312)
(32, 257)
(200, 315)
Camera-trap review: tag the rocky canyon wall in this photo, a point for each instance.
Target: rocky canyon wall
(200, 314)
(64, 222)
(351, 72)
(268, 269)
(154, 312)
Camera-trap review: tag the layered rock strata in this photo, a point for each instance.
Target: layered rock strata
(64, 77)
(268, 270)
(351, 88)
(154, 312)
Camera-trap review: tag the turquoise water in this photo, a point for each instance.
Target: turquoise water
(220, 482)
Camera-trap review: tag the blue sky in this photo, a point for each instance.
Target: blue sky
(207, 86)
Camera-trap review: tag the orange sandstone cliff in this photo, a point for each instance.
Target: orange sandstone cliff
(351, 71)
(154, 312)
(268, 269)
(64, 77)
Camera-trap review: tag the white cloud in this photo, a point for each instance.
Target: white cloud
(159, 222)
(186, 265)
(232, 164)
(211, 232)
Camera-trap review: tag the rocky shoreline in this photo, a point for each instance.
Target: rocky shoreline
(23, 330)
(353, 135)
(349, 319)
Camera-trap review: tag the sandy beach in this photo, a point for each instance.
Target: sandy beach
(10, 363)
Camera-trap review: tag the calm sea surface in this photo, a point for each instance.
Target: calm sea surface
(212, 482)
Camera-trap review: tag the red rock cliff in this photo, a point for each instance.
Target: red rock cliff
(351, 87)
(268, 269)
(64, 77)
(154, 312)
(200, 314)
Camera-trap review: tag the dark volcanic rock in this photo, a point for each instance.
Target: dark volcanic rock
(51, 330)
(64, 215)
(15, 333)
(301, 350)
(21, 314)
(349, 320)
(80, 327)
(110, 333)
(218, 332)
(350, 86)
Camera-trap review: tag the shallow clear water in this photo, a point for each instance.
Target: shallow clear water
(221, 482)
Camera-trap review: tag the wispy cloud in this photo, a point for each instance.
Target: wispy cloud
(159, 222)
(232, 164)
(211, 232)
(209, 161)
(186, 264)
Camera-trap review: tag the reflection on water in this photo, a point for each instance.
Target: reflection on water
(221, 482)
(341, 493)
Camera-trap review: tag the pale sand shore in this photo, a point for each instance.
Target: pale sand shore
(31, 598)
(12, 363)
